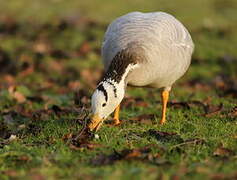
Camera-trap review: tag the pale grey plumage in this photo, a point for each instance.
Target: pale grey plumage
(140, 49)
(162, 42)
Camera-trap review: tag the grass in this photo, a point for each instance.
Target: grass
(46, 57)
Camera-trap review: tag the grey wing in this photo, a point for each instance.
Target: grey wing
(158, 32)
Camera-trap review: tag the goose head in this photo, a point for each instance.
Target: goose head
(105, 99)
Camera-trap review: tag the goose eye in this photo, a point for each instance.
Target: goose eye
(104, 104)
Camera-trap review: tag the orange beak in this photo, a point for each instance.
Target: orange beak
(95, 123)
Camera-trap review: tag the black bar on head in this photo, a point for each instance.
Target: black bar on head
(114, 87)
(102, 89)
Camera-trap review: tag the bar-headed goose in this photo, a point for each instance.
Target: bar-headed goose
(140, 49)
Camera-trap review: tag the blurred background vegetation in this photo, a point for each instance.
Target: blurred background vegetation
(212, 22)
(38, 34)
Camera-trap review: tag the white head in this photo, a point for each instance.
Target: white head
(107, 96)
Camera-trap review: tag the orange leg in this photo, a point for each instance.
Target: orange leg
(165, 97)
(116, 115)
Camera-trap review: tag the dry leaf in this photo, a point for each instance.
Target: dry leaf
(142, 154)
(56, 66)
(37, 176)
(144, 118)
(16, 95)
(24, 158)
(67, 136)
(223, 152)
(130, 101)
(27, 71)
(41, 47)
(165, 136)
(19, 97)
(84, 49)
(74, 85)
(9, 79)
(213, 110)
(11, 173)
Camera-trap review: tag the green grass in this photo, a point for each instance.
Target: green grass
(43, 64)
